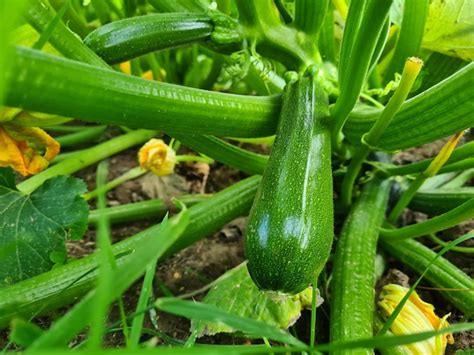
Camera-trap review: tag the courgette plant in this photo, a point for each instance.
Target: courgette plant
(335, 89)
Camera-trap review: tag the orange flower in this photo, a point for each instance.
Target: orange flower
(157, 157)
(20, 149)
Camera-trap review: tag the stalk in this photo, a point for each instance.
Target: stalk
(431, 171)
(453, 284)
(86, 157)
(372, 138)
(447, 220)
(84, 136)
(309, 15)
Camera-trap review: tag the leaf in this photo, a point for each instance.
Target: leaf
(206, 312)
(34, 228)
(450, 28)
(236, 294)
(7, 178)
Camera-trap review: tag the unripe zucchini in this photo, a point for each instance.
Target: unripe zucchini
(441, 200)
(122, 40)
(290, 227)
(352, 286)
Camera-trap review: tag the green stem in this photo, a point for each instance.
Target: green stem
(74, 21)
(372, 138)
(459, 180)
(405, 199)
(102, 10)
(312, 334)
(309, 15)
(467, 250)
(441, 274)
(459, 165)
(274, 39)
(364, 25)
(81, 137)
(87, 157)
(39, 15)
(465, 151)
(44, 37)
(197, 158)
(129, 175)
(150, 209)
(433, 225)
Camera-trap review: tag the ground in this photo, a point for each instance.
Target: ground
(196, 266)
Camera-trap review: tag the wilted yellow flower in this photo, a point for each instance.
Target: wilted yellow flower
(416, 316)
(21, 147)
(157, 157)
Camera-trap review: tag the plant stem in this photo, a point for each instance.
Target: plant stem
(459, 180)
(136, 211)
(430, 171)
(371, 139)
(449, 219)
(467, 250)
(129, 175)
(309, 15)
(87, 157)
(80, 137)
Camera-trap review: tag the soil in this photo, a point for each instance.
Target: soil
(199, 264)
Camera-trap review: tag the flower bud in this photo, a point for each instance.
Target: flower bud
(157, 157)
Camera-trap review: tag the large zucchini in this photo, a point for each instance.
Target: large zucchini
(290, 227)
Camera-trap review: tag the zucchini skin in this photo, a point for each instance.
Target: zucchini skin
(290, 228)
(352, 286)
(441, 200)
(125, 39)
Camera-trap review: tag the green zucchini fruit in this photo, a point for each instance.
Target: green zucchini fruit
(290, 227)
(353, 277)
(440, 201)
(64, 284)
(125, 39)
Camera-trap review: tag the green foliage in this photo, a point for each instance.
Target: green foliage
(278, 310)
(35, 227)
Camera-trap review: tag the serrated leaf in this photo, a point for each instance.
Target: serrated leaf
(450, 28)
(235, 293)
(34, 228)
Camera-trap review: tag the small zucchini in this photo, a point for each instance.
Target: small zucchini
(441, 200)
(353, 278)
(290, 228)
(122, 40)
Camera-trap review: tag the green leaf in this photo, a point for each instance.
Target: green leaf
(205, 312)
(450, 28)
(34, 227)
(280, 311)
(7, 178)
(24, 333)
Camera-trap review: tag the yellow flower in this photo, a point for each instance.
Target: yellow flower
(416, 316)
(20, 148)
(157, 157)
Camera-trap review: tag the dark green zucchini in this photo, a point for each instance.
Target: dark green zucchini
(129, 38)
(290, 228)
(441, 200)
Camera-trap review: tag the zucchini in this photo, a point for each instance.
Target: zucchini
(64, 284)
(353, 277)
(290, 228)
(453, 284)
(440, 201)
(122, 40)
(36, 82)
